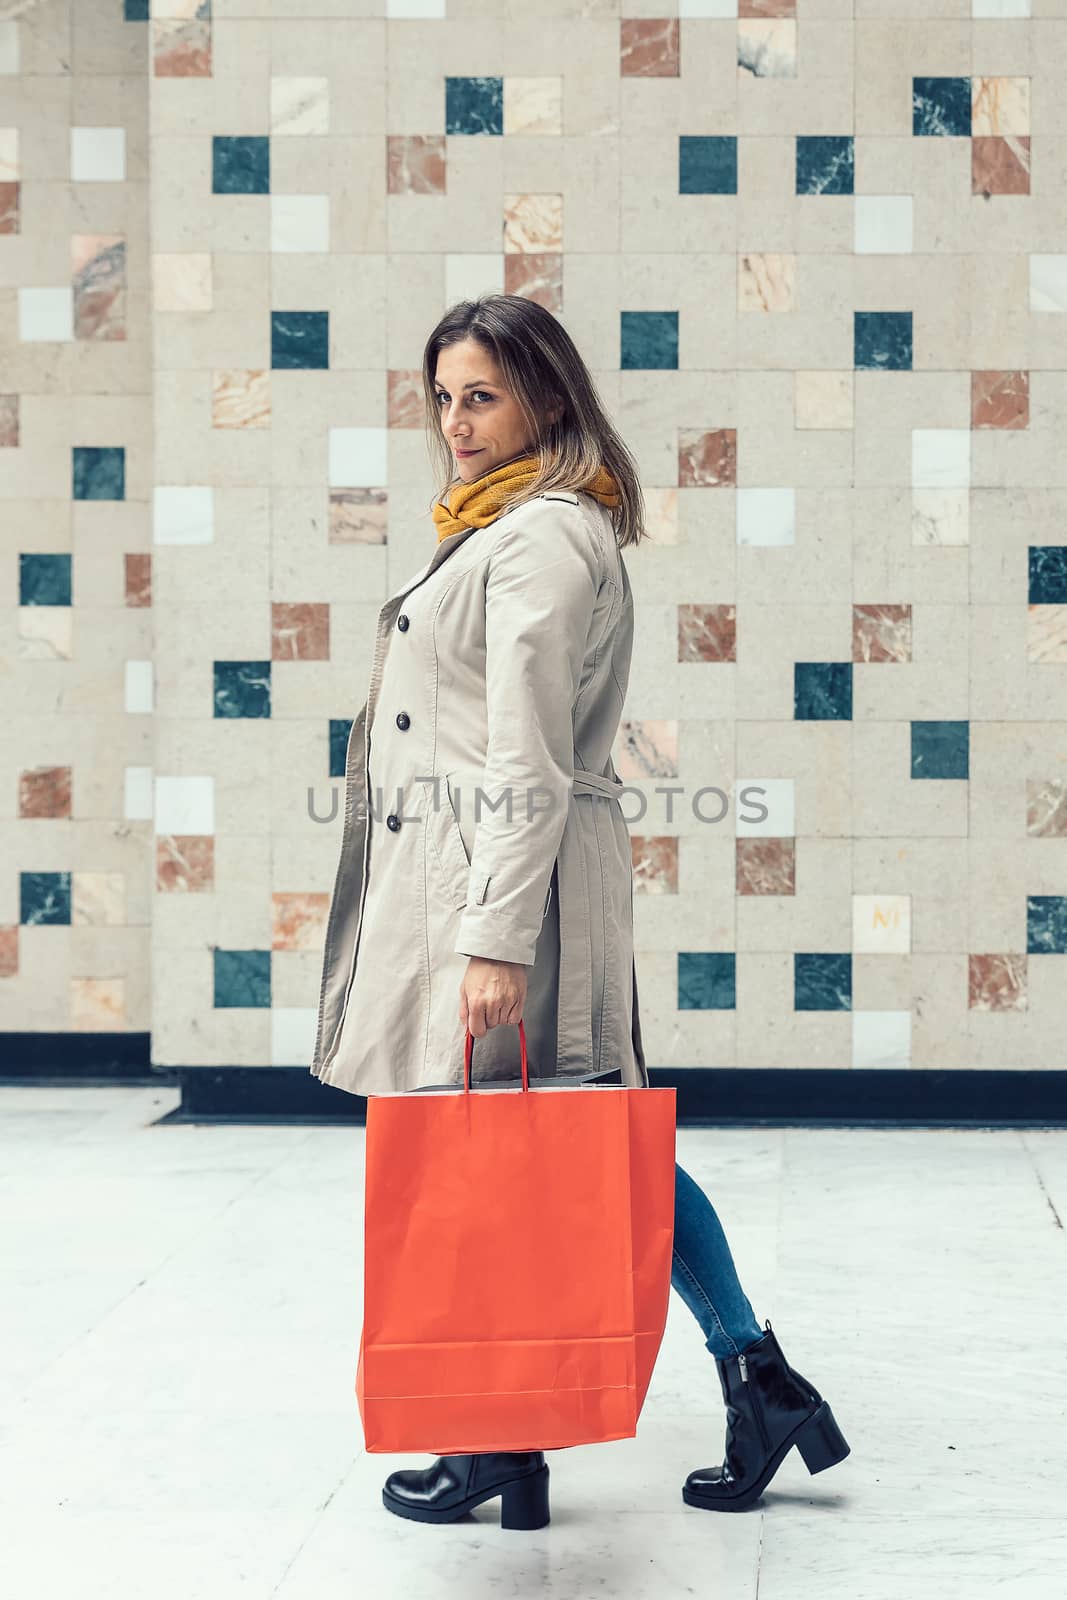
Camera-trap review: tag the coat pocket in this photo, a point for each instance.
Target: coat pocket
(446, 843)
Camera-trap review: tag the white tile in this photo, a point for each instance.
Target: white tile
(292, 1035)
(1001, 8)
(46, 314)
(185, 804)
(359, 458)
(137, 796)
(466, 277)
(1048, 283)
(940, 516)
(776, 796)
(139, 687)
(9, 48)
(299, 106)
(299, 222)
(98, 155)
(766, 516)
(707, 8)
(881, 924)
(881, 1038)
(183, 514)
(415, 8)
(940, 458)
(883, 224)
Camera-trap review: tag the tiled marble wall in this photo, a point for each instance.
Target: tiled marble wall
(816, 256)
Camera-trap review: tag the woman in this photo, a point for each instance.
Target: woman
(485, 870)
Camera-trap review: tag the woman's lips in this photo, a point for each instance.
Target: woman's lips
(467, 452)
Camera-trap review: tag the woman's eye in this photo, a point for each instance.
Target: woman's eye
(441, 395)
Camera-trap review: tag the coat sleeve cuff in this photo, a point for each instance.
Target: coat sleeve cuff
(483, 933)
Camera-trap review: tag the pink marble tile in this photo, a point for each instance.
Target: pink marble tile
(359, 516)
(707, 632)
(1000, 399)
(767, 8)
(298, 921)
(997, 982)
(45, 792)
(10, 207)
(655, 863)
(649, 47)
(765, 866)
(185, 862)
(647, 749)
(299, 630)
(537, 276)
(9, 951)
(9, 421)
(138, 578)
(707, 458)
(881, 633)
(181, 47)
(1000, 165)
(405, 399)
(1046, 634)
(416, 163)
(98, 273)
(1046, 808)
(240, 397)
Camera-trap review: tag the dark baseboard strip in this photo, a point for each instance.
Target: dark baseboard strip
(709, 1097)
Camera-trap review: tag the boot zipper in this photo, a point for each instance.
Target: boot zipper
(753, 1401)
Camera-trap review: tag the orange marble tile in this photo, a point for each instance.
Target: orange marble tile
(997, 983)
(1046, 808)
(10, 202)
(649, 47)
(45, 792)
(416, 163)
(9, 951)
(707, 632)
(1000, 399)
(767, 8)
(881, 633)
(98, 1005)
(655, 863)
(185, 862)
(765, 866)
(1000, 165)
(647, 749)
(537, 276)
(298, 921)
(138, 577)
(359, 516)
(240, 398)
(707, 458)
(299, 630)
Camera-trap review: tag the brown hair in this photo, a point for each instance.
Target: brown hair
(541, 366)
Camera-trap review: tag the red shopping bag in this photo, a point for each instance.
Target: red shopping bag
(517, 1264)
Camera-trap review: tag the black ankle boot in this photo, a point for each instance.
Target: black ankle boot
(769, 1409)
(454, 1485)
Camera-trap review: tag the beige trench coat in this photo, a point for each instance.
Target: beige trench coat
(482, 815)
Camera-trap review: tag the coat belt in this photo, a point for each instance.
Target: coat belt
(574, 1026)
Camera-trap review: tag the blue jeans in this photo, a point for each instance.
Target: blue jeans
(703, 1272)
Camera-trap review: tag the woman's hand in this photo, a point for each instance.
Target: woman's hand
(491, 992)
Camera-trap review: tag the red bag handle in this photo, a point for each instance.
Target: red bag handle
(468, 1055)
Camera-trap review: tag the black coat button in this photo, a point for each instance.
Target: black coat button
(402, 622)
(403, 721)
(392, 822)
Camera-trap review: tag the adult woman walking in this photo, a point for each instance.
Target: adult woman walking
(501, 667)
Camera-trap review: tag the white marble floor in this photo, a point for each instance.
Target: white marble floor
(181, 1314)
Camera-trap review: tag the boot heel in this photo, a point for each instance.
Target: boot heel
(524, 1503)
(821, 1442)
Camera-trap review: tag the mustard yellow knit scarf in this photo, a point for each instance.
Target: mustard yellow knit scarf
(475, 505)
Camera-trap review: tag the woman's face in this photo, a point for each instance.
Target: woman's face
(477, 412)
